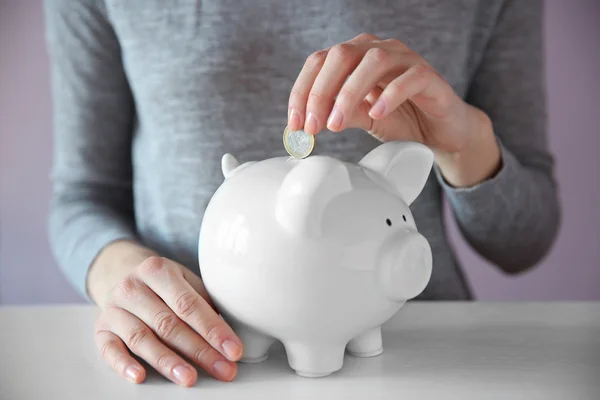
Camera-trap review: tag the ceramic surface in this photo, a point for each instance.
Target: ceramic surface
(316, 253)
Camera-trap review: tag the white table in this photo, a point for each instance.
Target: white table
(431, 350)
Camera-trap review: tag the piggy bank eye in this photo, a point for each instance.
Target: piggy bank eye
(404, 218)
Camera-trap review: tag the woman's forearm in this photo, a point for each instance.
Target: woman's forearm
(511, 218)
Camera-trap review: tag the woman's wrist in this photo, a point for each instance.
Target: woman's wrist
(479, 160)
(111, 265)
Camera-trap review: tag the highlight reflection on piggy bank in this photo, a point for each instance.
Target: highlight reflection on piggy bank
(316, 253)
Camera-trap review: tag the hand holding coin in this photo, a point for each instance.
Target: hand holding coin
(385, 88)
(393, 93)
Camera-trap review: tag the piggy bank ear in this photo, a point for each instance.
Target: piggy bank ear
(307, 190)
(405, 164)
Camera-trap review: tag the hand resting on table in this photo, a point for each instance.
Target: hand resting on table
(161, 312)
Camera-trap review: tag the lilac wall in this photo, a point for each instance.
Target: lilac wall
(27, 271)
(571, 272)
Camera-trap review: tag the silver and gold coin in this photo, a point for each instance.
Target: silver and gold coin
(298, 144)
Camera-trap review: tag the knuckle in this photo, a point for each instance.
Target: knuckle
(163, 361)
(111, 304)
(380, 56)
(128, 286)
(316, 59)
(347, 95)
(106, 347)
(119, 363)
(444, 101)
(315, 97)
(152, 265)
(296, 95)
(186, 303)
(165, 324)
(366, 37)
(136, 337)
(397, 43)
(212, 333)
(341, 51)
(394, 87)
(202, 354)
(423, 70)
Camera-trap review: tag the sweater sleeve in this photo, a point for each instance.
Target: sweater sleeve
(512, 218)
(93, 116)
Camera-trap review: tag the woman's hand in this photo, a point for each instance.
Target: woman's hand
(160, 311)
(387, 89)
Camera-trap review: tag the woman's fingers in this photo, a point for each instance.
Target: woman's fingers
(138, 319)
(422, 85)
(373, 95)
(339, 64)
(392, 128)
(115, 353)
(334, 85)
(379, 65)
(198, 285)
(320, 71)
(299, 94)
(176, 334)
(140, 339)
(360, 117)
(165, 279)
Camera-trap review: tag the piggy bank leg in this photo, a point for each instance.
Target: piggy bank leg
(367, 344)
(256, 345)
(314, 360)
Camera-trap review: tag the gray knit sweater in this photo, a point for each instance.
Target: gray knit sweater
(149, 94)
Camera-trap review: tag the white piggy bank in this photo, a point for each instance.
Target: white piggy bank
(316, 253)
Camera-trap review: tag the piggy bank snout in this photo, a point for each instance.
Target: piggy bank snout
(405, 266)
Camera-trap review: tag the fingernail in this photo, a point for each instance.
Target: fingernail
(182, 374)
(378, 109)
(294, 120)
(232, 350)
(335, 119)
(132, 373)
(311, 124)
(223, 369)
